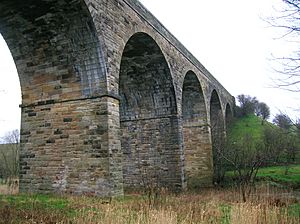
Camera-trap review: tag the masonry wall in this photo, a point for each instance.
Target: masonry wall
(82, 130)
(63, 148)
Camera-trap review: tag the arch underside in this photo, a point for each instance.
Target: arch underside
(228, 116)
(55, 48)
(197, 145)
(217, 135)
(148, 115)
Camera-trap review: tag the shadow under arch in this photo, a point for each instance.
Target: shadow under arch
(54, 44)
(148, 117)
(228, 116)
(197, 146)
(217, 135)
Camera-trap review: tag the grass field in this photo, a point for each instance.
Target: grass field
(277, 175)
(209, 206)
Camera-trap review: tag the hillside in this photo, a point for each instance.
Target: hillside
(283, 146)
(249, 125)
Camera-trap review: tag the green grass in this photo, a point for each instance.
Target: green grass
(225, 209)
(294, 210)
(277, 174)
(29, 201)
(248, 125)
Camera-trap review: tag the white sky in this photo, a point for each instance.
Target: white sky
(228, 37)
(10, 92)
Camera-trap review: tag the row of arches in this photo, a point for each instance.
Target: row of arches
(150, 124)
(61, 61)
(153, 133)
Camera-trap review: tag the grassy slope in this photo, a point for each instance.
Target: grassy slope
(249, 125)
(252, 125)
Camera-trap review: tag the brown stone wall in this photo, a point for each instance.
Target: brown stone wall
(69, 58)
(64, 148)
(151, 155)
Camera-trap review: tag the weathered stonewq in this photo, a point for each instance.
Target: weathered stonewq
(110, 99)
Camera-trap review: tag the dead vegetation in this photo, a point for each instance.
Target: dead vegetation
(265, 205)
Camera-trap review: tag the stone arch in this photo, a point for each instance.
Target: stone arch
(62, 73)
(55, 48)
(217, 134)
(197, 146)
(228, 116)
(148, 116)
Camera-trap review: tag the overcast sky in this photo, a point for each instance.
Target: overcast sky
(228, 37)
(10, 91)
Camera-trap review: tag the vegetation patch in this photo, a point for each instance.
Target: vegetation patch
(285, 175)
(247, 125)
(207, 206)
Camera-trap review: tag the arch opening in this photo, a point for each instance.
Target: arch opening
(228, 116)
(217, 136)
(197, 146)
(148, 116)
(10, 91)
(10, 119)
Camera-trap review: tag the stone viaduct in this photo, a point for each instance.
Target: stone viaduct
(111, 100)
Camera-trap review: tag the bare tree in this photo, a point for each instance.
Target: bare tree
(262, 110)
(247, 104)
(283, 121)
(9, 155)
(288, 67)
(283, 139)
(245, 157)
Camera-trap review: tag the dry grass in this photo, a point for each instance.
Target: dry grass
(11, 187)
(266, 205)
